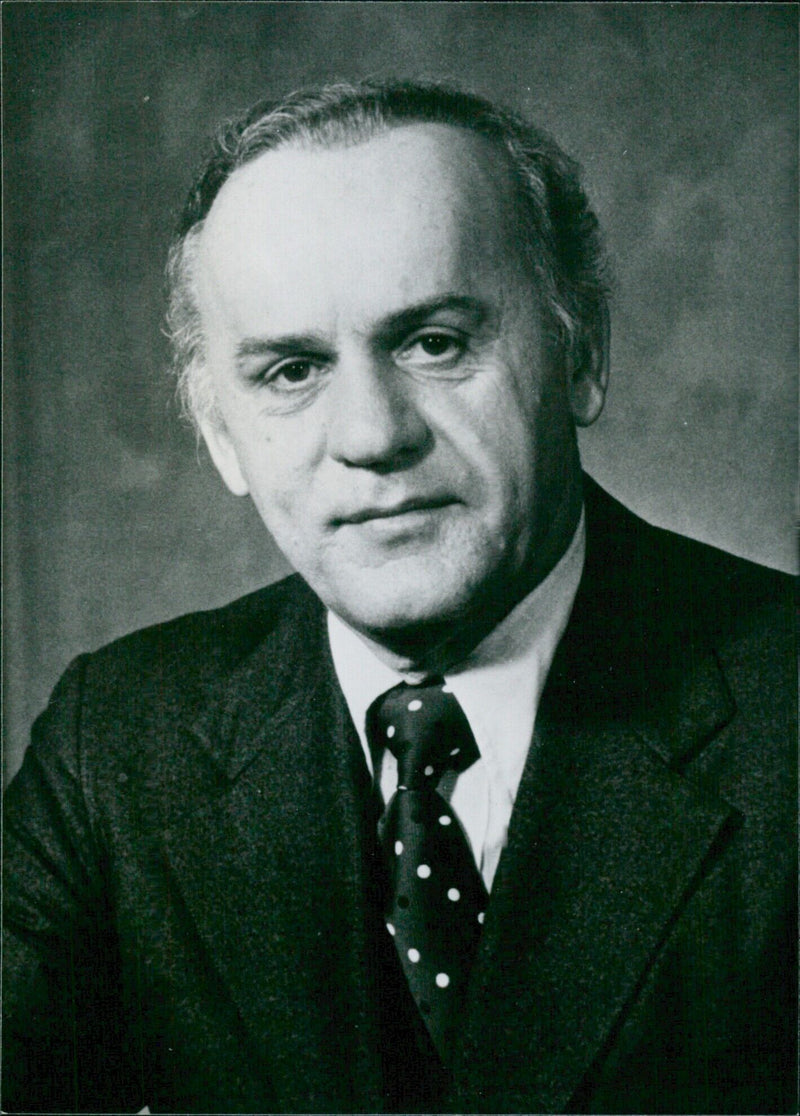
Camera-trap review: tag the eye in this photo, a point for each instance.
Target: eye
(434, 348)
(436, 344)
(291, 373)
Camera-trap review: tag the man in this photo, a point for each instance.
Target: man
(239, 879)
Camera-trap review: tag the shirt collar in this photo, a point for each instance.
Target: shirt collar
(500, 682)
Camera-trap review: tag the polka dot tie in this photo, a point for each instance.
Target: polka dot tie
(436, 896)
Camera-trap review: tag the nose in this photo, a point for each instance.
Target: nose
(374, 419)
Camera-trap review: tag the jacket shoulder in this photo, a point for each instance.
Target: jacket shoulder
(662, 621)
(203, 645)
(134, 694)
(675, 581)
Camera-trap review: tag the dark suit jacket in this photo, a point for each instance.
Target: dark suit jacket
(192, 888)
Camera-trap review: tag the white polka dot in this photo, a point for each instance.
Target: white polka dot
(429, 770)
(413, 955)
(447, 689)
(481, 917)
(390, 928)
(454, 894)
(398, 847)
(423, 871)
(454, 751)
(444, 820)
(415, 705)
(390, 731)
(442, 980)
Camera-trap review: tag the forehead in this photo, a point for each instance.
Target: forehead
(421, 203)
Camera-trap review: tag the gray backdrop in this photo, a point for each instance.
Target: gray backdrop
(685, 120)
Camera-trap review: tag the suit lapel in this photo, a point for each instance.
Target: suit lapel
(608, 839)
(271, 865)
(605, 847)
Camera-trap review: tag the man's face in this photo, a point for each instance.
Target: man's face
(384, 386)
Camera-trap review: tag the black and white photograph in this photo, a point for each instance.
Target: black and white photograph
(400, 553)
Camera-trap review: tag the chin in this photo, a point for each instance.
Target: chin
(397, 614)
(416, 610)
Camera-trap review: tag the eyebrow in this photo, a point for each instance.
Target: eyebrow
(288, 344)
(392, 329)
(388, 332)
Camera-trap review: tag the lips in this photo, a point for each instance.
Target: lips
(393, 511)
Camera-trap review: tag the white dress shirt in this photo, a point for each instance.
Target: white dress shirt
(498, 686)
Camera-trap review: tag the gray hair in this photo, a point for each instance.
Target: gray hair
(560, 230)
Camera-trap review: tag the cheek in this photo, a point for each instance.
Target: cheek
(537, 407)
(277, 452)
(502, 437)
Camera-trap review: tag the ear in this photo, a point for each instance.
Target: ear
(587, 367)
(223, 454)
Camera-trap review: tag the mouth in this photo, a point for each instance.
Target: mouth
(413, 506)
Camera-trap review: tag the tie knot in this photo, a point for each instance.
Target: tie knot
(425, 729)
